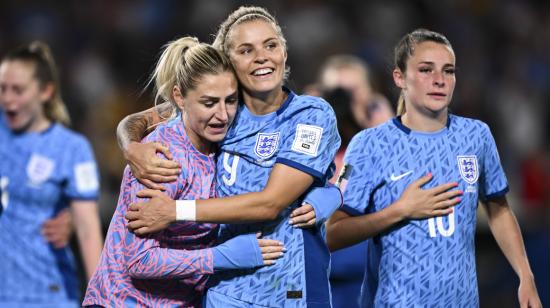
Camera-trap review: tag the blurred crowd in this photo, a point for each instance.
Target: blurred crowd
(105, 50)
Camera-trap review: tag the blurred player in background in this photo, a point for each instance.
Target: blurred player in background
(45, 169)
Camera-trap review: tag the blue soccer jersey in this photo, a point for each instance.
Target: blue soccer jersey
(429, 262)
(42, 173)
(301, 134)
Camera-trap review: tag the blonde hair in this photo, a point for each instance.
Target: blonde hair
(182, 63)
(45, 72)
(241, 15)
(405, 49)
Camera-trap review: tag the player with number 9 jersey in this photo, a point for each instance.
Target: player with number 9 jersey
(301, 134)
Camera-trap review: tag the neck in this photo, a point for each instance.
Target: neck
(422, 122)
(36, 125)
(264, 103)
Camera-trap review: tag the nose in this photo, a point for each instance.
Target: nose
(439, 79)
(261, 56)
(221, 112)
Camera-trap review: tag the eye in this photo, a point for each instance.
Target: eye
(245, 51)
(450, 71)
(231, 100)
(271, 45)
(425, 69)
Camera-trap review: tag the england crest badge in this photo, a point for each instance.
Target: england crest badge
(39, 169)
(469, 169)
(266, 144)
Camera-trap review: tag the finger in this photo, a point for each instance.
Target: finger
(306, 225)
(134, 207)
(159, 147)
(268, 242)
(301, 210)
(272, 255)
(136, 225)
(147, 193)
(141, 232)
(152, 185)
(447, 203)
(161, 178)
(443, 212)
(302, 218)
(269, 262)
(272, 249)
(422, 180)
(442, 188)
(449, 195)
(168, 166)
(131, 216)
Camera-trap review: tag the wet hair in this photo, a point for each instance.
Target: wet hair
(183, 63)
(245, 14)
(45, 72)
(405, 49)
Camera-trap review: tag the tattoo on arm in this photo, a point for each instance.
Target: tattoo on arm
(135, 126)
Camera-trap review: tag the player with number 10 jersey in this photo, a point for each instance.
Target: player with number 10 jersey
(428, 262)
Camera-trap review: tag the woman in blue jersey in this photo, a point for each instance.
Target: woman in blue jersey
(45, 168)
(427, 262)
(279, 146)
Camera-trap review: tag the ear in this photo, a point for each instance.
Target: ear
(399, 79)
(47, 92)
(178, 97)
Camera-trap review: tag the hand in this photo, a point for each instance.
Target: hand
(527, 294)
(419, 203)
(148, 168)
(271, 250)
(58, 230)
(303, 217)
(151, 216)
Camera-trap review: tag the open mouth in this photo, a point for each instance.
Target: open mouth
(262, 72)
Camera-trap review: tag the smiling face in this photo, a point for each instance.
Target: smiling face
(21, 96)
(429, 80)
(258, 55)
(208, 109)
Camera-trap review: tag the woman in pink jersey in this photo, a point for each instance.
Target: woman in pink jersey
(170, 268)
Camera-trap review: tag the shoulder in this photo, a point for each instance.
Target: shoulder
(310, 102)
(469, 125)
(68, 137)
(166, 132)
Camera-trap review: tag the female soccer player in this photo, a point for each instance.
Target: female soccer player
(280, 144)
(44, 168)
(171, 267)
(427, 262)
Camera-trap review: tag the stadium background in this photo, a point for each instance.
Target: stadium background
(106, 49)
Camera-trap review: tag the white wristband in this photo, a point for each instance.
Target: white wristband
(186, 210)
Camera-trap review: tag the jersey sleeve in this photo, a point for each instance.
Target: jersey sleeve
(146, 258)
(83, 176)
(311, 142)
(493, 182)
(354, 180)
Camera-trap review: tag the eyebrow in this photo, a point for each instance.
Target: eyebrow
(250, 44)
(432, 63)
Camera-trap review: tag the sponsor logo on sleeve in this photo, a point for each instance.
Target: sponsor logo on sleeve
(308, 139)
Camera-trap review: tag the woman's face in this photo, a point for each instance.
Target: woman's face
(258, 56)
(429, 81)
(21, 96)
(209, 109)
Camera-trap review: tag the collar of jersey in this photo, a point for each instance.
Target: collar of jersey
(399, 124)
(269, 116)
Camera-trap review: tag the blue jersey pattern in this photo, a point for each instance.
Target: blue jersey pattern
(429, 262)
(43, 172)
(301, 134)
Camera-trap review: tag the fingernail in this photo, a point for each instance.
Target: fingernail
(461, 192)
(284, 249)
(290, 222)
(458, 199)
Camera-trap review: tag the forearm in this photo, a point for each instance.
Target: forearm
(251, 207)
(166, 263)
(507, 233)
(90, 242)
(135, 126)
(350, 230)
